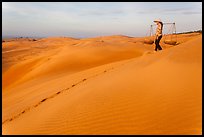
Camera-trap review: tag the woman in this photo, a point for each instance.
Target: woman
(158, 34)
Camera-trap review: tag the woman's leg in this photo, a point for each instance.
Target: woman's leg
(159, 47)
(156, 44)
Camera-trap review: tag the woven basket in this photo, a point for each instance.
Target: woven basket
(170, 42)
(148, 41)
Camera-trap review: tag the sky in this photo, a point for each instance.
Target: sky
(92, 19)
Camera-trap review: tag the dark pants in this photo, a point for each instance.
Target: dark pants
(157, 43)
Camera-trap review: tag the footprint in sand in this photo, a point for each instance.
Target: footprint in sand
(84, 80)
(36, 105)
(43, 100)
(58, 92)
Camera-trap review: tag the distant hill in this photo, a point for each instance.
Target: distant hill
(197, 31)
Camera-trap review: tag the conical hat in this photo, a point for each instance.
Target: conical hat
(157, 20)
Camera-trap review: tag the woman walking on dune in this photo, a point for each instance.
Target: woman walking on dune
(158, 34)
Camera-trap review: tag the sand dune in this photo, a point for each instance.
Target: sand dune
(103, 85)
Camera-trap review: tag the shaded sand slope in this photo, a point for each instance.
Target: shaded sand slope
(152, 94)
(19, 50)
(70, 59)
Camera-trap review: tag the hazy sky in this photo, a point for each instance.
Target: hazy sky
(89, 19)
